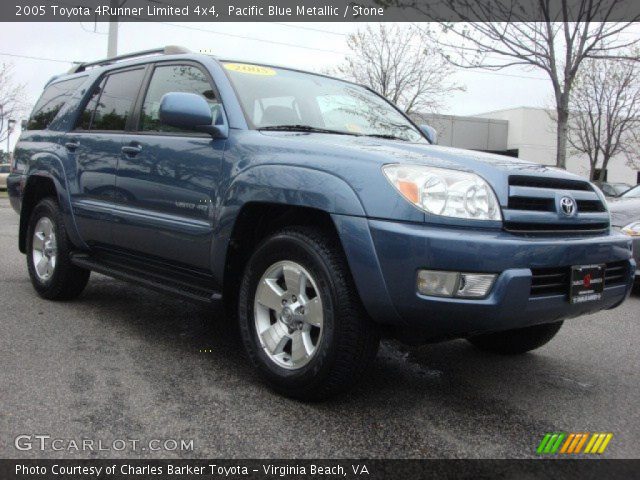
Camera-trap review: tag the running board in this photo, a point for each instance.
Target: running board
(193, 287)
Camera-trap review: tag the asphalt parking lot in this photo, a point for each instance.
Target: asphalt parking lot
(125, 363)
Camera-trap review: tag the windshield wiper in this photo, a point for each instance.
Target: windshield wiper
(305, 128)
(384, 135)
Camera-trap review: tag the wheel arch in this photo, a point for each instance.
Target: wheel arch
(273, 190)
(46, 179)
(281, 195)
(256, 221)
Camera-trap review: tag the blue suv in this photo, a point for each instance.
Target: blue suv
(318, 214)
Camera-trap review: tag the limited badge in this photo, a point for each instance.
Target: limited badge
(250, 69)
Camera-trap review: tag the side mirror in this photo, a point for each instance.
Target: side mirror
(24, 124)
(430, 133)
(189, 112)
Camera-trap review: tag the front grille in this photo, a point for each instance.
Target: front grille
(555, 281)
(590, 206)
(532, 204)
(551, 228)
(550, 281)
(553, 183)
(532, 207)
(616, 273)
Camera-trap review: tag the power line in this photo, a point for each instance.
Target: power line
(311, 29)
(234, 35)
(478, 71)
(36, 58)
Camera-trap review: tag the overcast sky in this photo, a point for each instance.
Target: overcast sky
(311, 46)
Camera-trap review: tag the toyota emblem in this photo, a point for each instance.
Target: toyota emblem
(568, 205)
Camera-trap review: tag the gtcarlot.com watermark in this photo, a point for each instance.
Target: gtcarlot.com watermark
(29, 442)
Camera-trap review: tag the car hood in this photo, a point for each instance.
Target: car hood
(494, 168)
(397, 151)
(624, 211)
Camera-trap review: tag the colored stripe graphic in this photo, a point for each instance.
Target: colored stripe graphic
(567, 443)
(598, 443)
(581, 443)
(572, 443)
(543, 443)
(551, 443)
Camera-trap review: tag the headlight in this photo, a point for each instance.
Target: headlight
(633, 229)
(440, 191)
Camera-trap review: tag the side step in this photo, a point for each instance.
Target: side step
(183, 284)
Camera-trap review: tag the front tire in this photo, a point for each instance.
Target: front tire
(302, 322)
(517, 341)
(52, 274)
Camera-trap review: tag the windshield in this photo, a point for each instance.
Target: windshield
(633, 193)
(273, 98)
(619, 188)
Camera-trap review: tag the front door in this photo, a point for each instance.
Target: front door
(169, 178)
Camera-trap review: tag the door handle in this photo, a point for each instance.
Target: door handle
(131, 150)
(72, 146)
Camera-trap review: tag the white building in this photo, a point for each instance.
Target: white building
(525, 132)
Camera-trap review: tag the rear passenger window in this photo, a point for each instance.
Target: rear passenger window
(90, 108)
(51, 101)
(175, 78)
(112, 102)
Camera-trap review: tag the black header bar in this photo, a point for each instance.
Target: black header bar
(318, 10)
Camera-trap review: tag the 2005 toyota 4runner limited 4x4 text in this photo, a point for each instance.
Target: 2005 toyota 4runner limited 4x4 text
(318, 213)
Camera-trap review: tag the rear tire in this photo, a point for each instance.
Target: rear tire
(52, 274)
(302, 322)
(517, 341)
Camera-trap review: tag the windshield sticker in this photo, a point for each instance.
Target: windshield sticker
(250, 69)
(352, 127)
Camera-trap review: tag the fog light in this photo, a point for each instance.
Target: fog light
(455, 284)
(437, 284)
(475, 285)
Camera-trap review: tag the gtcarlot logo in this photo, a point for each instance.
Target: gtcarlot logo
(48, 443)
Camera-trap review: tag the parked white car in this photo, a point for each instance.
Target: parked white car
(4, 173)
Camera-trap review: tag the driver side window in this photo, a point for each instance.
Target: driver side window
(176, 78)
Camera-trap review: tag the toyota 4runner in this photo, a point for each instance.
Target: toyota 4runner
(314, 210)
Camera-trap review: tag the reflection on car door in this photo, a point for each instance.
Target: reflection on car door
(96, 144)
(169, 177)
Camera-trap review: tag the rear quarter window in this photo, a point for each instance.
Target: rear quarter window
(51, 101)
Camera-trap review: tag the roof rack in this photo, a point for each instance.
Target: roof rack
(168, 50)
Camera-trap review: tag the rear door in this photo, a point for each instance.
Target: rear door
(169, 177)
(96, 145)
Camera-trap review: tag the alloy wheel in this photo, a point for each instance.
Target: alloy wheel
(44, 249)
(288, 315)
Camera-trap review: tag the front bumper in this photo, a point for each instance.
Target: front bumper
(401, 249)
(15, 185)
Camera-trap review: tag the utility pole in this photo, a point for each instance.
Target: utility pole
(112, 45)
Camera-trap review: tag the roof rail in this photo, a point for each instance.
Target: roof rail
(168, 50)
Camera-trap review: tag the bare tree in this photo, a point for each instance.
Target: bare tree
(566, 33)
(12, 100)
(605, 111)
(632, 153)
(399, 65)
